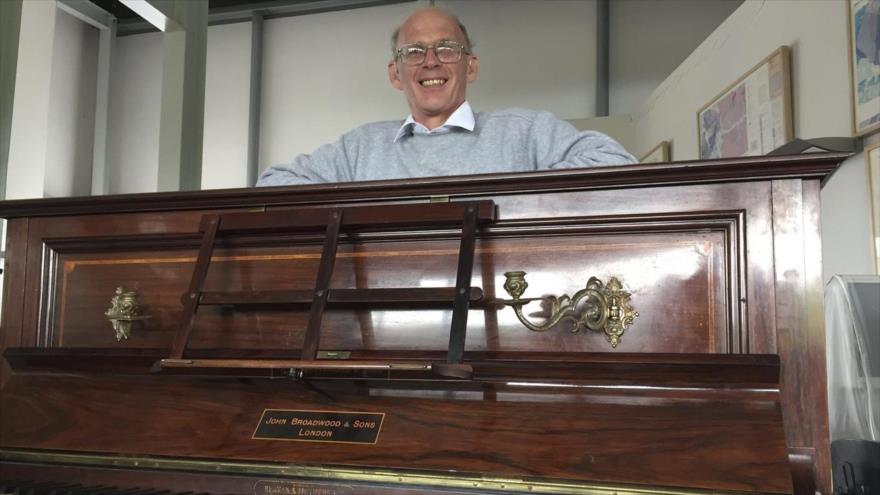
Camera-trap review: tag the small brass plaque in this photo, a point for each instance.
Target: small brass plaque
(264, 487)
(319, 426)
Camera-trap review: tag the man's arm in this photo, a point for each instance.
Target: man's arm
(559, 145)
(329, 163)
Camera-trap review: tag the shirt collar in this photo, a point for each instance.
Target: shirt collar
(462, 117)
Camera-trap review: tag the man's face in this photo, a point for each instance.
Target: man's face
(433, 90)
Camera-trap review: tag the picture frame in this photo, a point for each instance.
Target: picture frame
(752, 116)
(863, 22)
(657, 154)
(872, 174)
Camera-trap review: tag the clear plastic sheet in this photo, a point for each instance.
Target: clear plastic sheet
(852, 334)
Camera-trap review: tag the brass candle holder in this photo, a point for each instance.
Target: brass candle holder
(124, 310)
(598, 307)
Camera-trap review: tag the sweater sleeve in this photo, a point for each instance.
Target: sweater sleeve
(328, 163)
(559, 145)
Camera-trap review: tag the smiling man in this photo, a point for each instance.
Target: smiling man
(433, 63)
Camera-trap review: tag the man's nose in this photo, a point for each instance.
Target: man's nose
(430, 58)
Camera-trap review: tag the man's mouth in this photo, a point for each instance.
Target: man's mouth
(433, 82)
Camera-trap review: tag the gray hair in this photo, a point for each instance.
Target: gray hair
(467, 39)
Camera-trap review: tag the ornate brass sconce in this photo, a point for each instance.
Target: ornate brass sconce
(124, 309)
(604, 308)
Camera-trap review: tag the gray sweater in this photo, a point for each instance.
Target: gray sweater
(513, 140)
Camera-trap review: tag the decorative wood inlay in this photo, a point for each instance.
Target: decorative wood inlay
(704, 248)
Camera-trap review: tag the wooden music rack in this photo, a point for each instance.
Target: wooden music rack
(335, 221)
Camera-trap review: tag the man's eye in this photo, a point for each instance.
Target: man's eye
(413, 51)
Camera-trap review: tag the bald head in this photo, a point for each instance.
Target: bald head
(420, 15)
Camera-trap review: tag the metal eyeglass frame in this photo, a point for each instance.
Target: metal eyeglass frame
(398, 54)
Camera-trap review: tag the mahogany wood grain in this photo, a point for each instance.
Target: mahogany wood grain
(814, 325)
(748, 371)
(803, 464)
(800, 325)
(32, 288)
(14, 275)
(721, 257)
(600, 435)
(409, 296)
(209, 226)
(463, 272)
(414, 216)
(312, 336)
(298, 364)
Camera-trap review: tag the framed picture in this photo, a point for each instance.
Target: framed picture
(658, 154)
(752, 116)
(863, 20)
(872, 164)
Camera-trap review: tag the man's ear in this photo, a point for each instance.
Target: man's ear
(394, 76)
(473, 68)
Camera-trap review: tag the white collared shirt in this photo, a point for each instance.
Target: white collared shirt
(462, 117)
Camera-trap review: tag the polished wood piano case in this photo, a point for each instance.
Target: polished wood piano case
(369, 338)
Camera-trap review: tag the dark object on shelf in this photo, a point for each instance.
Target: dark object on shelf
(816, 145)
(856, 467)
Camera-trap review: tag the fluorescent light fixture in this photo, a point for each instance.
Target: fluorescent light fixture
(148, 12)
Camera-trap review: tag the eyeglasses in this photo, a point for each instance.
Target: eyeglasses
(447, 52)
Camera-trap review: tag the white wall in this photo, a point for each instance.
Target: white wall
(133, 116)
(816, 33)
(10, 28)
(29, 136)
(227, 89)
(533, 53)
(53, 116)
(649, 39)
(846, 228)
(324, 74)
(618, 126)
(135, 104)
(72, 90)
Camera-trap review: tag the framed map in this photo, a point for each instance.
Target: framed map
(657, 154)
(864, 64)
(752, 116)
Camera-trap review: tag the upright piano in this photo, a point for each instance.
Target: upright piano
(621, 330)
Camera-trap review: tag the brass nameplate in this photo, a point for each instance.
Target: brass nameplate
(291, 488)
(319, 426)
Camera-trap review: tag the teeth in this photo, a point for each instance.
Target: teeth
(433, 82)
